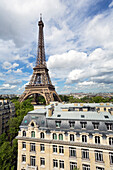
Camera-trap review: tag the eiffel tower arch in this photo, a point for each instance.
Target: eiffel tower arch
(40, 83)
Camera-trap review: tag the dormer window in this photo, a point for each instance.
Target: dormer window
(60, 137)
(32, 124)
(96, 126)
(33, 134)
(97, 139)
(42, 135)
(58, 123)
(83, 125)
(71, 124)
(24, 133)
(72, 137)
(109, 126)
(54, 136)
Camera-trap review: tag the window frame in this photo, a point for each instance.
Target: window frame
(33, 160)
(32, 147)
(84, 138)
(72, 137)
(24, 144)
(61, 149)
(98, 156)
(32, 134)
(97, 139)
(23, 158)
(85, 153)
(24, 133)
(55, 163)
(60, 136)
(73, 165)
(61, 164)
(72, 152)
(42, 161)
(42, 148)
(42, 135)
(54, 136)
(54, 148)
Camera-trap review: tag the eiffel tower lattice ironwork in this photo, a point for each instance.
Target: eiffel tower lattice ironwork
(40, 83)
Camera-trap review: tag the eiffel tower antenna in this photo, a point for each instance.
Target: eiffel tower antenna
(40, 83)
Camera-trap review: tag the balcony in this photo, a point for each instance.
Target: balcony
(29, 167)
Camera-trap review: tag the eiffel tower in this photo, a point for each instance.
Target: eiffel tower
(40, 83)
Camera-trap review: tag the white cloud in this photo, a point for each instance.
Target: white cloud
(111, 4)
(7, 65)
(17, 71)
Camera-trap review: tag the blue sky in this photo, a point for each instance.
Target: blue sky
(78, 44)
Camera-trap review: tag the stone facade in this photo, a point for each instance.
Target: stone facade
(53, 138)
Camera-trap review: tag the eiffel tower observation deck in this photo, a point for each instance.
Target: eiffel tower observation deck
(40, 83)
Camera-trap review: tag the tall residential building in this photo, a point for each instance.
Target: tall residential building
(63, 136)
(7, 110)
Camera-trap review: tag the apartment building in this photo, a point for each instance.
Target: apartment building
(64, 136)
(7, 110)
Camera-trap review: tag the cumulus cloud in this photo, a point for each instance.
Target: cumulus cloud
(7, 65)
(79, 67)
(78, 41)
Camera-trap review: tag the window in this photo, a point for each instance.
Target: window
(84, 138)
(71, 124)
(58, 123)
(33, 134)
(110, 141)
(24, 133)
(96, 126)
(42, 161)
(32, 160)
(82, 116)
(97, 139)
(111, 157)
(72, 137)
(55, 163)
(23, 158)
(99, 168)
(73, 165)
(54, 136)
(61, 149)
(32, 147)
(98, 156)
(106, 116)
(60, 137)
(42, 135)
(83, 125)
(54, 148)
(23, 145)
(32, 124)
(86, 167)
(72, 152)
(109, 126)
(61, 164)
(42, 147)
(104, 108)
(85, 154)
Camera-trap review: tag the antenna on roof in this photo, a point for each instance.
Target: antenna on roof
(40, 16)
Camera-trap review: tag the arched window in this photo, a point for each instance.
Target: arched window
(72, 137)
(54, 136)
(33, 134)
(24, 133)
(97, 139)
(42, 135)
(84, 138)
(32, 124)
(111, 141)
(60, 137)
